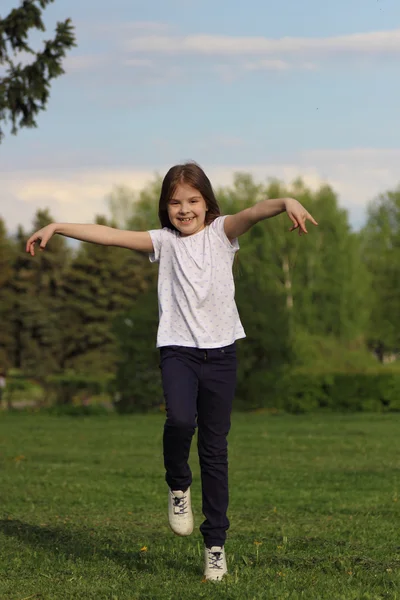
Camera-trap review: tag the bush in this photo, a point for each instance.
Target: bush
(391, 392)
(63, 389)
(358, 392)
(299, 393)
(257, 391)
(295, 392)
(18, 388)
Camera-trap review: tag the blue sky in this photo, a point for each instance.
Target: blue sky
(283, 89)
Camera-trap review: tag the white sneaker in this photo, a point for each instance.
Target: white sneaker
(215, 563)
(180, 512)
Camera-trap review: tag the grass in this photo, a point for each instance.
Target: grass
(314, 510)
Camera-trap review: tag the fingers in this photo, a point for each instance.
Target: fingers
(30, 244)
(302, 225)
(299, 222)
(311, 218)
(294, 221)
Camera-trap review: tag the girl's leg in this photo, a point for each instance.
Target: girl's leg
(216, 392)
(180, 385)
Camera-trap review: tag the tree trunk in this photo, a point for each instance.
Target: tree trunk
(288, 282)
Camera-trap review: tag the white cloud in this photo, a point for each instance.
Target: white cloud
(357, 175)
(269, 64)
(266, 64)
(379, 42)
(71, 195)
(159, 47)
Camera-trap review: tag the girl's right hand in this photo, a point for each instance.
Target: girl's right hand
(43, 235)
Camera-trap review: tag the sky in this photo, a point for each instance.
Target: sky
(276, 89)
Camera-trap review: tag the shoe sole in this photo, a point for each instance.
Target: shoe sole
(181, 534)
(216, 579)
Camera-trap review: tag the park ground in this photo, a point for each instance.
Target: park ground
(315, 510)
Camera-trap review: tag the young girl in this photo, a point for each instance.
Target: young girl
(198, 327)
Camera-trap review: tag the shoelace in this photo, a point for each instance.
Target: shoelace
(181, 505)
(215, 560)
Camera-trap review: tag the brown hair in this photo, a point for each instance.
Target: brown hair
(191, 174)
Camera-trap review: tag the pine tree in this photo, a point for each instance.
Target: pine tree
(7, 251)
(25, 90)
(101, 283)
(37, 288)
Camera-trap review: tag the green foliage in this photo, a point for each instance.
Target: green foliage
(100, 283)
(24, 91)
(326, 353)
(261, 300)
(312, 307)
(138, 382)
(36, 288)
(381, 251)
(6, 299)
(300, 392)
(62, 389)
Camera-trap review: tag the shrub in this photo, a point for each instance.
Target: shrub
(62, 389)
(302, 392)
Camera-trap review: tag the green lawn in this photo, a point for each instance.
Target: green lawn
(314, 510)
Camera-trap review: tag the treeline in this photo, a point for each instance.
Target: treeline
(323, 306)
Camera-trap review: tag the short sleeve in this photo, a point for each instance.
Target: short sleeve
(218, 227)
(156, 238)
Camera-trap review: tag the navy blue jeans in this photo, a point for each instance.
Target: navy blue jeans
(199, 386)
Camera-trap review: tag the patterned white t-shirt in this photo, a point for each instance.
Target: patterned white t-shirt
(196, 291)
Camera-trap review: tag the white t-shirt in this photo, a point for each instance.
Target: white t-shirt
(196, 291)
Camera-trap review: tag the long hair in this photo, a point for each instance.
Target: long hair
(191, 174)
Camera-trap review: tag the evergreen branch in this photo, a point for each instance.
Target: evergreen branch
(25, 90)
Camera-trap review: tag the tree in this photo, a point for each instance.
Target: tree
(290, 291)
(330, 280)
(100, 283)
(25, 89)
(381, 249)
(7, 252)
(138, 381)
(37, 296)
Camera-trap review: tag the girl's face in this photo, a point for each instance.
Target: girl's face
(187, 209)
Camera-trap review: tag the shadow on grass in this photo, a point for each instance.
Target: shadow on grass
(80, 545)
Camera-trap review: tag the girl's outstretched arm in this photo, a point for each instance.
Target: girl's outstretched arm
(238, 224)
(97, 234)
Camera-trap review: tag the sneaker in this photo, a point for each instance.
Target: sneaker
(215, 563)
(180, 512)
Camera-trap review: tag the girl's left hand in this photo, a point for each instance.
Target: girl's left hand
(298, 215)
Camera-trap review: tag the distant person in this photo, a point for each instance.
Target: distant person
(198, 328)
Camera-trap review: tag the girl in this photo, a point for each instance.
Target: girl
(198, 327)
